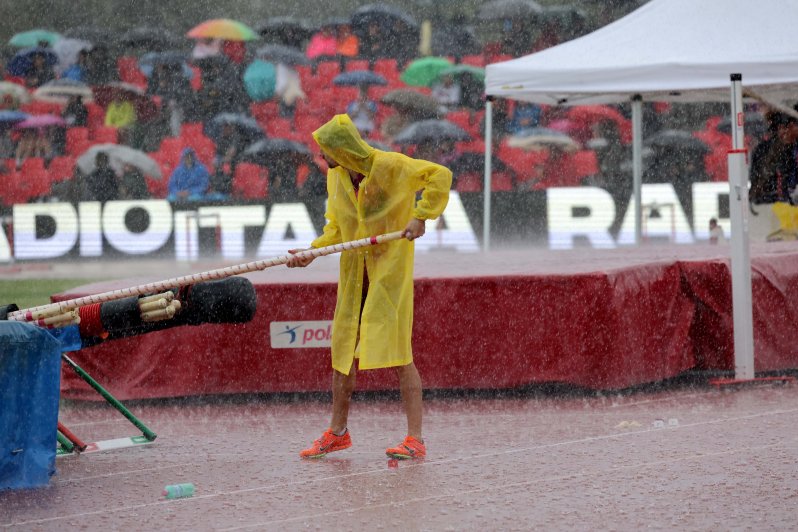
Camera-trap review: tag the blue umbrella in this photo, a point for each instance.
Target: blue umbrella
(20, 64)
(246, 125)
(260, 79)
(9, 118)
(359, 78)
(149, 61)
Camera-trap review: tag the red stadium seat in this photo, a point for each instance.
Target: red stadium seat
(104, 135)
(388, 69)
(129, 72)
(61, 168)
(96, 115)
(473, 60)
(325, 72)
(356, 64)
(37, 107)
(35, 176)
(77, 140)
(250, 181)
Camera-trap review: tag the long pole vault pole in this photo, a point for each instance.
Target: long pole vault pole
(42, 311)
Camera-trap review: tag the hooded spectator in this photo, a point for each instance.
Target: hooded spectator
(190, 180)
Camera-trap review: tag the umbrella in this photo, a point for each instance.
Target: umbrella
(60, 90)
(223, 28)
(31, 38)
(263, 150)
(508, 9)
(93, 34)
(145, 107)
(16, 91)
(260, 79)
(37, 121)
(245, 124)
(20, 64)
(149, 61)
(413, 102)
(67, 50)
(431, 131)
(460, 70)
(288, 31)
(468, 162)
(277, 53)
(754, 124)
(118, 156)
(387, 17)
(541, 138)
(359, 78)
(151, 38)
(424, 72)
(676, 140)
(455, 40)
(9, 118)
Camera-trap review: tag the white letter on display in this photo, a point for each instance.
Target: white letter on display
(27, 246)
(564, 224)
(91, 231)
(186, 235)
(5, 249)
(451, 231)
(153, 238)
(231, 221)
(281, 217)
(663, 216)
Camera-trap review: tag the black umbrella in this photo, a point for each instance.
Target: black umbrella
(755, 125)
(508, 9)
(149, 61)
(412, 102)
(266, 150)
(453, 40)
(288, 31)
(246, 125)
(676, 140)
(151, 38)
(387, 17)
(93, 34)
(431, 131)
(359, 78)
(277, 53)
(468, 162)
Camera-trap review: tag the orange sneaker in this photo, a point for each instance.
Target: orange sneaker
(328, 443)
(409, 448)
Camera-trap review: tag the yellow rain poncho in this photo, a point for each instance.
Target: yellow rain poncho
(386, 202)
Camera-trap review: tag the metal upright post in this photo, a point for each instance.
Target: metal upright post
(740, 253)
(488, 170)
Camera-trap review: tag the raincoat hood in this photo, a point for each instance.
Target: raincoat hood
(340, 140)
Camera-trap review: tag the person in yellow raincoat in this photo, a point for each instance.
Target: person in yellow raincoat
(371, 192)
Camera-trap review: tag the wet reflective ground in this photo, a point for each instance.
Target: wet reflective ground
(687, 459)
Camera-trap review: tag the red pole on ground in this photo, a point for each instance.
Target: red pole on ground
(71, 437)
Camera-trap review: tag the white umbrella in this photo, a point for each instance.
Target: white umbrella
(18, 92)
(60, 90)
(119, 155)
(67, 51)
(542, 138)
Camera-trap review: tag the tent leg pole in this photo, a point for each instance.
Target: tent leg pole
(637, 164)
(488, 170)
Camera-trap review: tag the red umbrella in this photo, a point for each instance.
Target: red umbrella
(585, 116)
(36, 121)
(145, 107)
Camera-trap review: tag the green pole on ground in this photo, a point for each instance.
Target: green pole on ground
(64, 441)
(150, 435)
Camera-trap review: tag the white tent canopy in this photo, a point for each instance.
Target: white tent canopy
(666, 50)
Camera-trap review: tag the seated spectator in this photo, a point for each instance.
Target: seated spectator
(121, 114)
(170, 83)
(229, 145)
(40, 71)
(363, 111)
(288, 88)
(526, 115)
(323, 43)
(447, 93)
(189, 180)
(34, 142)
(101, 184)
(77, 71)
(774, 169)
(132, 185)
(76, 114)
(373, 45)
(347, 43)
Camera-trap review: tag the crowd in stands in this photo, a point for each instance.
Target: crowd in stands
(197, 115)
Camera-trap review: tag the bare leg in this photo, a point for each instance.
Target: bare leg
(410, 387)
(342, 388)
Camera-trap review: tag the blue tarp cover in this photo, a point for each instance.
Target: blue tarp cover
(30, 364)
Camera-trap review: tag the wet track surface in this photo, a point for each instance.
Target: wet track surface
(687, 458)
